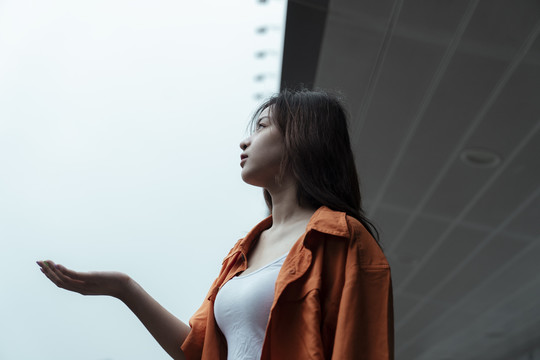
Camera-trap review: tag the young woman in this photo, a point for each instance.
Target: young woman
(308, 282)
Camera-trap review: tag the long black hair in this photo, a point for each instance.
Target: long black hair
(318, 151)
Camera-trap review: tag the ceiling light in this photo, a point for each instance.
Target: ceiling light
(480, 158)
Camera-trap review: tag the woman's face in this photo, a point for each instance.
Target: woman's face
(262, 153)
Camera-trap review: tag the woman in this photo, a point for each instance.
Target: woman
(308, 282)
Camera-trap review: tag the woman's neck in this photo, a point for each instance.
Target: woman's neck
(285, 208)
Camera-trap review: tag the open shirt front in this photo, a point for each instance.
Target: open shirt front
(333, 297)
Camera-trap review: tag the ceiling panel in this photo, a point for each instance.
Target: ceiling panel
(375, 154)
(413, 351)
(502, 22)
(495, 250)
(498, 329)
(403, 303)
(448, 117)
(533, 56)
(421, 320)
(446, 256)
(399, 269)
(437, 336)
(513, 115)
(513, 187)
(419, 237)
(367, 11)
(527, 221)
(457, 189)
(453, 326)
(349, 73)
(428, 19)
(389, 222)
(524, 342)
(507, 279)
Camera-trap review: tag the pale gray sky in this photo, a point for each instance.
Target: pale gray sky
(119, 130)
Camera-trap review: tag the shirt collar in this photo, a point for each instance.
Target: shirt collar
(328, 221)
(324, 220)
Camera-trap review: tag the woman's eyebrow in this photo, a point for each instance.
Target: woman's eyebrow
(262, 118)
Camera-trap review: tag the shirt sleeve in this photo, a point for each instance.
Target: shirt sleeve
(193, 344)
(365, 321)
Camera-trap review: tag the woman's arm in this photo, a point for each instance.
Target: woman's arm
(365, 322)
(168, 330)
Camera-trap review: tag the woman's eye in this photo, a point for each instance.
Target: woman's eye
(260, 126)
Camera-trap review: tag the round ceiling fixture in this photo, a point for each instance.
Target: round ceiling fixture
(480, 158)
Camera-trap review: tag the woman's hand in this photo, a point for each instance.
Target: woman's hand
(85, 283)
(164, 326)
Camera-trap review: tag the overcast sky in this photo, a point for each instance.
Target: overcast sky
(119, 130)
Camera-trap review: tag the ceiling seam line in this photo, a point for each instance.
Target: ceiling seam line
(522, 206)
(522, 51)
(465, 224)
(527, 287)
(424, 104)
(375, 73)
(470, 205)
(530, 343)
(447, 313)
(415, 297)
(522, 291)
(410, 33)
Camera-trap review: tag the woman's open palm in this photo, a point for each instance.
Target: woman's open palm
(85, 283)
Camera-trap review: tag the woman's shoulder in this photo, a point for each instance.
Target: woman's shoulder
(368, 248)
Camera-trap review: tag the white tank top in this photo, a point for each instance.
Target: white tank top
(241, 310)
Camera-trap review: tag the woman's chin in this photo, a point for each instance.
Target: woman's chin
(250, 179)
(246, 178)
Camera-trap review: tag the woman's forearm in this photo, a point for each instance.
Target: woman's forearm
(167, 329)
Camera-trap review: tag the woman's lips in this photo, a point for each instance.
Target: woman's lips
(243, 159)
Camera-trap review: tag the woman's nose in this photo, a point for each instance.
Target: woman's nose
(244, 144)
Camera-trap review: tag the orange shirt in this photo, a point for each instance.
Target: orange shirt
(333, 297)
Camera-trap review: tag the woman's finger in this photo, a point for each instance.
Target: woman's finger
(50, 269)
(47, 269)
(70, 273)
(86, 283)
(66, 279)
(73, 280)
